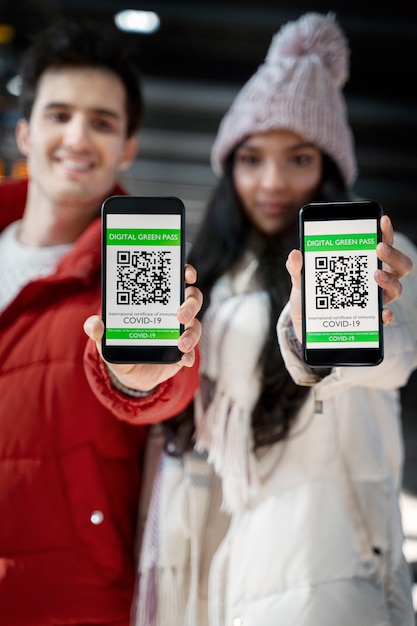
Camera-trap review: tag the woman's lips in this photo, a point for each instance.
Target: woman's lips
(272, 208)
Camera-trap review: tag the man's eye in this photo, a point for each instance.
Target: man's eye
(58, 116)
(102, 125)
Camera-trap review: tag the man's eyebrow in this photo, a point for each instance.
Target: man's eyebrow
(97, 111)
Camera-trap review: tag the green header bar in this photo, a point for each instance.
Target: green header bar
(340, 337)
(133, 334)
(331, 243)
(143, 237)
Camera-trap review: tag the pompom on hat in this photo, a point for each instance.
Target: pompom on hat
(299, 88)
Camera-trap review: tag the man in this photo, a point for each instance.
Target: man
(72, 428)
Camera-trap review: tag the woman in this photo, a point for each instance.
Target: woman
(276, 499)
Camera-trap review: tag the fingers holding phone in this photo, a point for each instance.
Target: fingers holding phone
(186, 315)
(294, 266)
(144, 376)
(395, 266)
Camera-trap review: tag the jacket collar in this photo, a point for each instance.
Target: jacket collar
(85, 256)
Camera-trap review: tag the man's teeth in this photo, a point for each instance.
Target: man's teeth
(75, 165)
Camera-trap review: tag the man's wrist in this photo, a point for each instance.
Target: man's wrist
(128, 391)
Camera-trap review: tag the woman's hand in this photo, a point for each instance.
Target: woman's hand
(395, 266)
(146, 376)
(294, 266)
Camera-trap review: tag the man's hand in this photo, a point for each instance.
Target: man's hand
(395, 266)
(145, 376)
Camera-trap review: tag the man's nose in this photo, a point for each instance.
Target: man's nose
(77, 133)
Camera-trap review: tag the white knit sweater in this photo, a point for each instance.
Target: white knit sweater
(20, 264)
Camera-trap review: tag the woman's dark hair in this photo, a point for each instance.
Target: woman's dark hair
(218, 245)
(82, 43)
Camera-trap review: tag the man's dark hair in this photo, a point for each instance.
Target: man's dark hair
(68, 43)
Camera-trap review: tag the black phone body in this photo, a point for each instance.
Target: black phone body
(143, 256)
(341, 302)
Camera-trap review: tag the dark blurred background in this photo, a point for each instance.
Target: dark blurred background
(193, 66)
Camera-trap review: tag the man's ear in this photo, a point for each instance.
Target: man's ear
(22, 136)
(129, 152)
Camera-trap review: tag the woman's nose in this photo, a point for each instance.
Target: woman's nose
(273, 175)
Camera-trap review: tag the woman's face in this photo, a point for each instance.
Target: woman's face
(275, 173)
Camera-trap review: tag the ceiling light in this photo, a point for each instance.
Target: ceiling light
(13, 85)
(145, 22)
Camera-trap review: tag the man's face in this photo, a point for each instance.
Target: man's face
(75, 140)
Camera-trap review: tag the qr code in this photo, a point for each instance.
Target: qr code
(341, 281)
(143, 277)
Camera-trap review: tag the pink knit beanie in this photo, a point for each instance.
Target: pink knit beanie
(299, 88)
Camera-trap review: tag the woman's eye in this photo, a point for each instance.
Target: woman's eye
(302, 159)
(247, 159)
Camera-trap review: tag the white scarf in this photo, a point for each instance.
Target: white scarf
(234, 332)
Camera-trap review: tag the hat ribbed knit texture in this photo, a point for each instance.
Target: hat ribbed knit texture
(298, 88)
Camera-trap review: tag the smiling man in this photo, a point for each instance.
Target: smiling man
(72, 428)
(76, 143)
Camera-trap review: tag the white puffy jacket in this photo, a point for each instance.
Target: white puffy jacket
(323, 546)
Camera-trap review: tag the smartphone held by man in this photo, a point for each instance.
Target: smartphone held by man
(142, 278)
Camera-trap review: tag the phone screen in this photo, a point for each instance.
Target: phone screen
(143, 284)
(342, 301)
